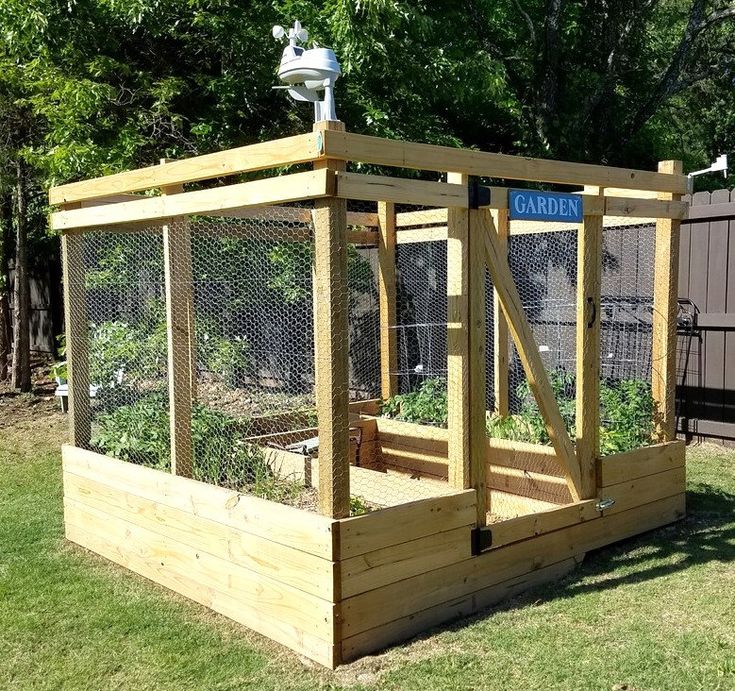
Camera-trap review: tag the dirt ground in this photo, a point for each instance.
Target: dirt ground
(38, 409)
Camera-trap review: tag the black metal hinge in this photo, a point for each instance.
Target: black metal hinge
(482, 540)
(477, 195)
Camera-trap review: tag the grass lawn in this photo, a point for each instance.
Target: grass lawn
(656, 612)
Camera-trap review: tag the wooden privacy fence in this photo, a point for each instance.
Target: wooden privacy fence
(706, 368)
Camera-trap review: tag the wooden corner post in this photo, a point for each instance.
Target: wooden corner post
(77, 339)
(458, 343)
(589, 278)
(466, 351)
(665, 296)
(387, 298)
(331, 344)
(181, 336)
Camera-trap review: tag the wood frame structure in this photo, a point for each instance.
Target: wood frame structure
(331, 586)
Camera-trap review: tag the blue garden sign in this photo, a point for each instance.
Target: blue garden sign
(532, 205)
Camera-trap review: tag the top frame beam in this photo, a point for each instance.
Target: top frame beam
(375, 150)
(271, 154)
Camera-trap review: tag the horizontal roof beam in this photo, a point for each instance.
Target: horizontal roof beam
(347, 146)
(277, 190)
(270, 154)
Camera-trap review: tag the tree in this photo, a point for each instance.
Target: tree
(21, 376)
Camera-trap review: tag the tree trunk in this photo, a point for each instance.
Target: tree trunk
(5, 220)
(21, 376)
(4, 335)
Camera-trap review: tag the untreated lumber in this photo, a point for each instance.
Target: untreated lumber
(271, 154)
(500, 328)
(477, 336)
(458, 341)
(665, 304)
(331, 336)
(387, 299)
(528, 353)
(180, 337)
(587, 399)
(400, 190)
(365, 149)
(288, 188)
(647, 460)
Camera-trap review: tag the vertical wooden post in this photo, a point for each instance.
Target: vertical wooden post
(387, 298)
(589, 278)
(181, 338)
(477, 393)
(331, 346)
(458, 342)
(665, 294)
(466, 349)
(77, 338)
(500, 329)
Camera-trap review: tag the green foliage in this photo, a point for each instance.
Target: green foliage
(426, 405)
(626, 413)
(358, 506)
(140, 433)
(121, 353)
(230, 358)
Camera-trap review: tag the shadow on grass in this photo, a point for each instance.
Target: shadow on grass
(706, 534)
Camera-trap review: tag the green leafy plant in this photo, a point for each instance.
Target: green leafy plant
(626, 414)
(120, 352)
(358, 506)
(231, 359)
(426, 405)
(139, 433)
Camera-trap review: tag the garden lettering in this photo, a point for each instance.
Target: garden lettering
(532, 205)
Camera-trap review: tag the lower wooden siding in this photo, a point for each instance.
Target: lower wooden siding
(648, 460)
(240, 556)
(526, 551)
(334, 590)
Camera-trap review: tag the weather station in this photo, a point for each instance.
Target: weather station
(308, 72)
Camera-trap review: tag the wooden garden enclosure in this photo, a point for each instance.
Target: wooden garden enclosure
(445, 520)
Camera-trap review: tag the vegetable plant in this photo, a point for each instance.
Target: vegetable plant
(426, 405)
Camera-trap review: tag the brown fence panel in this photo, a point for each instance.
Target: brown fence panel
(706, 396)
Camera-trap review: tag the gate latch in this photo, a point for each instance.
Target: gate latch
(605, 503)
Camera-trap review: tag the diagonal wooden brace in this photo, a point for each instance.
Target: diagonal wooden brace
(510, 301)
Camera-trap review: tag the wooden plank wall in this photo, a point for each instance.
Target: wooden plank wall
(265, 565)
(392, 590)
(707, 277)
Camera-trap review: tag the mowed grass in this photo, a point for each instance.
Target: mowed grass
(655, 612)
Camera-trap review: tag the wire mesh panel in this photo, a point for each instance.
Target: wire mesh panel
(123, 276)
(421, 275)
(626, 306)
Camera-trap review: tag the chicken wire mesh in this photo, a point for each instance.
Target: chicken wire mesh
(125, 308)
(251, 294)
(252, 361)
(544, 267)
